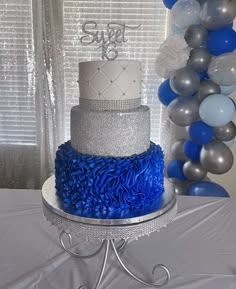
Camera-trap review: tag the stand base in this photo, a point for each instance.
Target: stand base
(109, 245)
(109, 230)
(112, 229)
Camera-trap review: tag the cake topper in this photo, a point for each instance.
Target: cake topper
(109, 38)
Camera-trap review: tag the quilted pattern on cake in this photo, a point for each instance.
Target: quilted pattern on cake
(102, 80)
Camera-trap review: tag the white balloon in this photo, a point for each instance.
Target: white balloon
(186, 13)
(173, 54)
(222, 69)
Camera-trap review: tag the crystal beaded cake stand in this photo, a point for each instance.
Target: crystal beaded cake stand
(109, 231)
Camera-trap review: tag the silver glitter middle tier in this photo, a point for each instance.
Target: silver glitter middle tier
(110, 133)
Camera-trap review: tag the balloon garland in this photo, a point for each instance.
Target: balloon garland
(198, 63)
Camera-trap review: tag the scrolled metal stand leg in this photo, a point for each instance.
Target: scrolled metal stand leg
(103, 264)
(105, 243)
(103, 267)
(116, 250)
(74, 254)
(136, 277)
(122, 245)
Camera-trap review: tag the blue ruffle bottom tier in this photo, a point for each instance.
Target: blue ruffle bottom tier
(109, 187)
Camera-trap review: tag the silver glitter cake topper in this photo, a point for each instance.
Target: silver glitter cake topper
(108, 38)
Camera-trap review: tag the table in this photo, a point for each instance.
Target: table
(199, 248)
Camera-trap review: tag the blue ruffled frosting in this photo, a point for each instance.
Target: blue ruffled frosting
(109, 187)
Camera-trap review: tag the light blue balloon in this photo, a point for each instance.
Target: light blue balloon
(178, 30)
(229, 143)
(185, 13)
(227, 90)
(217, 110)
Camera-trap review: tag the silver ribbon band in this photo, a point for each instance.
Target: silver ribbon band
(126, 104)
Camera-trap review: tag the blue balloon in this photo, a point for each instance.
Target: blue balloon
(221, 41)
(207, 189)
(200, 133)
(192, 150)
(217, 110)
(230, 25)
(203, 75)
(169, 3)
(165, 93)
(227, 90)
(175, 170)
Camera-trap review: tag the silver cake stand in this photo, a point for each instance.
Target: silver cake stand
(113, 233)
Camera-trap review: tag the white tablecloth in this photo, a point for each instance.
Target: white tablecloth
(199, 248)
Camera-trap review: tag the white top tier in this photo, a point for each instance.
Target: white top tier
(110, 84)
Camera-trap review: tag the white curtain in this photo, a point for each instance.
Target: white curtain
(40, 47)
(48, 32)
(31, 91)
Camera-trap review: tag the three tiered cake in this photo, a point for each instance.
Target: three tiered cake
(110, 169)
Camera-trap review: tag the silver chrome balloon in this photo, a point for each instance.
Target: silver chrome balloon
(201, 1)
(216, 157)
(194, 171)
(177, 150)
(199, 59)
(206, 179)
(184, 81)
(196, 36)
(207, 87)
(216, 14)
(183, 111)
(226, 132)
(181, 188)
